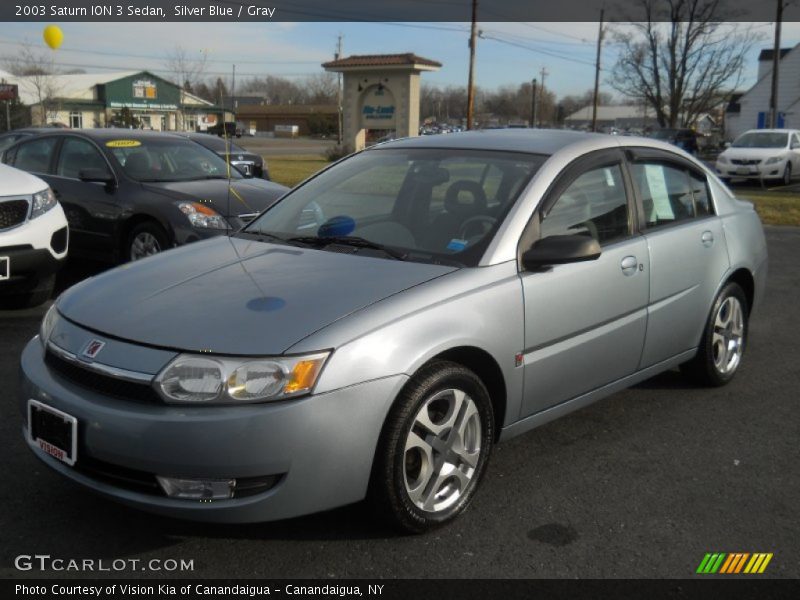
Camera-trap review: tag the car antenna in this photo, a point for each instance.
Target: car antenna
(227, 165)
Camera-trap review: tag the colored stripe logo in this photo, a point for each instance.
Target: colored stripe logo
(734, 563)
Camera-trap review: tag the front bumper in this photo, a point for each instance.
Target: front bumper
(321, 446)
(35, 249)
(759, 171)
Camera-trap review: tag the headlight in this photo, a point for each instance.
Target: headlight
(202, 215)
(722, 159)
(48, 324)
(206, 380)
(773, 160)
(42, 202)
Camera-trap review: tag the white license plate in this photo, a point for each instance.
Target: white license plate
(5, 267)
(743, 171)
(53, 431)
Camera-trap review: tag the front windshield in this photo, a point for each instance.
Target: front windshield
(762, 139)
(169, 159)
(430, 205)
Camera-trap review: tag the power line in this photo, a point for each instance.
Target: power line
(539, 51)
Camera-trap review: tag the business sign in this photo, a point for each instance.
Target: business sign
(378, 108)
(8, 91)
(143, 105)
(145, 88)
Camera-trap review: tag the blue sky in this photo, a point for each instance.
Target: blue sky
(567, 50)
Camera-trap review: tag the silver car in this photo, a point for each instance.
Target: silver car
(377, 331)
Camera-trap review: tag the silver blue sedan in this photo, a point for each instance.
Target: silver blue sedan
(377, 331)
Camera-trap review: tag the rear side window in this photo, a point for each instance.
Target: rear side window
(666, 194)
(35, 156)
(594, 204)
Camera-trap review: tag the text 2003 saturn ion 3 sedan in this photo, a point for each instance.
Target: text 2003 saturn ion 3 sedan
(377, 330)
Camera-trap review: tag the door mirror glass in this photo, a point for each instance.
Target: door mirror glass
(561, 249)
(94, 174)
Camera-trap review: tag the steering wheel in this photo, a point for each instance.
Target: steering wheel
(484, 221)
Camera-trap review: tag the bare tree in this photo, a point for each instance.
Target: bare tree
(321, 88)
(36, 69)
(682, 59)
(187, 69)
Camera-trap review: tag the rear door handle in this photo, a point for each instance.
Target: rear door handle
(629, 265)
(707, 238)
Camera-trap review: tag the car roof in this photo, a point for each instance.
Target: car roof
(534, 141)
(108, 134)
(772, 131)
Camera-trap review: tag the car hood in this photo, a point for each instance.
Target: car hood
(235, 296)
(752, 153)
(246, 195)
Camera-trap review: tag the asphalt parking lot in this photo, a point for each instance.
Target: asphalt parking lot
(641, 484)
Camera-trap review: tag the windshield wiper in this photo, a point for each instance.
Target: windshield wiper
(348, 240)
(262, 235)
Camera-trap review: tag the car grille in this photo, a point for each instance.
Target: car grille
(737, 161)
(13, 213)
(99, 383)
(146, 483)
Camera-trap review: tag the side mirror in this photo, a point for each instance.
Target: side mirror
(727, 144)
(93, 174)
(559, 250)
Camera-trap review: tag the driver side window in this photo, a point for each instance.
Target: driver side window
(594, 204)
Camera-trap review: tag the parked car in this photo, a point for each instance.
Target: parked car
(9, 138)
(33, 239)
(685, 139)
(762, 154)
(380, 328)
(225, 129)
(130, 194)
(248, 163)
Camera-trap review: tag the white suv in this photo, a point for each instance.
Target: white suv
(33, 239)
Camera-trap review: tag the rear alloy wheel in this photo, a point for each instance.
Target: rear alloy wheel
(146, 239)
(433, 449)
(723, 343)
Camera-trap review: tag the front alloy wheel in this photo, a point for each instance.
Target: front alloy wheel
(442, 450)
(145, 240)
(433, 449)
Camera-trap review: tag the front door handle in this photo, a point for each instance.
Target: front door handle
(707, 238)
(629, 265)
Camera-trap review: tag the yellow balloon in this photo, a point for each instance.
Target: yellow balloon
(53, 36)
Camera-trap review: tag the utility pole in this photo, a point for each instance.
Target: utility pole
(544, 73)
(776, 60)
(533, 103)
(471, 82)
(233, 99)
(597, 72)
(339, 110)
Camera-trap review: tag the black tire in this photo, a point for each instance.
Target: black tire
(141, 232)
(704, 367)
(39, 293)
(393, 463)
(787, 174)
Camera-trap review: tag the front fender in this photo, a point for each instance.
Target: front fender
(478, 307)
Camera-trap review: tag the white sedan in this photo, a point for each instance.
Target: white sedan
(762, 154)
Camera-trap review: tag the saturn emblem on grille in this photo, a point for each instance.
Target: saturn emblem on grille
(92, 349)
